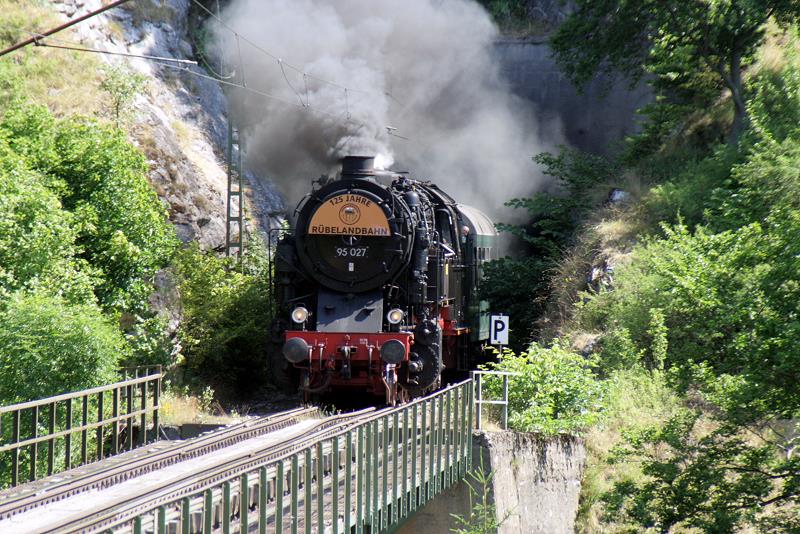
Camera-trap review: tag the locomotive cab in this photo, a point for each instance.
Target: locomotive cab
(379, 285)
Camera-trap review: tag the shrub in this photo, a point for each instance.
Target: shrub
(515, 287)
(727, 299)
(635, 399)
(520, 286)
(688, 195)
(768, 180)
(149, 341)
(705, 476)
(225, 330)
(48, 347)
(554, 389)
(122, 86)
(125, 225)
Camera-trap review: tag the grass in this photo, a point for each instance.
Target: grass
(150, 11)
(180, 407)
(636, 398)
(184, 135)
(774, 53)
(67, 82)
(605, 239)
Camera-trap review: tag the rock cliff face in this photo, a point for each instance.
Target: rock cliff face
(595, 119)
(180, 121)
(535, 486)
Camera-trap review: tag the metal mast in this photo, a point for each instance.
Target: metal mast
(234, 227)
(234, 210)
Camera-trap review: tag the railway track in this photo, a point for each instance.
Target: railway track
(130, 465)
(101, 501)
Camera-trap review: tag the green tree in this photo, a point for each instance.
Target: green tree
(122, 86)
(519, 286)
(716, 301)
(101, 179)
(48, 347)
(728, 299)
(37, 237)
(715, 481)
(692, 47)
(125, 231)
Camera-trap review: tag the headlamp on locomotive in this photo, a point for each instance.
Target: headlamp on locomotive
(377, 286)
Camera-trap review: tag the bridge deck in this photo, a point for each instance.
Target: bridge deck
(365, 479)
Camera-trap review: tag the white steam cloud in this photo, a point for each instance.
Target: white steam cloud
(420, 69)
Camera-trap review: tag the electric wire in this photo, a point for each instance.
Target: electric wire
(64, 26)
(45, 41)
(207, 66)
(251, 90)
(265, 51)
(42, 41)
(290, 84)
(182, 65)
(278, 59)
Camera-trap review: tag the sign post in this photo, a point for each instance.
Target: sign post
(498, 331)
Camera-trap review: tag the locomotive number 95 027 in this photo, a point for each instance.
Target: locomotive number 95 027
(353, 252)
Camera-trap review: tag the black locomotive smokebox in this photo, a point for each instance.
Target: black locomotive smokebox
(358, 166)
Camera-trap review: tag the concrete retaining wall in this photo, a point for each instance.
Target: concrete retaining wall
(536, 484)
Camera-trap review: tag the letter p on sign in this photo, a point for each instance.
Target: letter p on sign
(498, 333)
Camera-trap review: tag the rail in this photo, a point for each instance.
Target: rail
(104, 417)
(480, 401)
(366, 478)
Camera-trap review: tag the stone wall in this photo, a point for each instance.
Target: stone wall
(536, 485)
(595, 120)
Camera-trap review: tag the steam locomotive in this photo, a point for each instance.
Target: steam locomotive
(376, 286)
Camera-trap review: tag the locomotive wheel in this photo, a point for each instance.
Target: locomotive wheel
(429, 379)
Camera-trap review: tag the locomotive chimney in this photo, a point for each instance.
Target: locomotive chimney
(358, 167)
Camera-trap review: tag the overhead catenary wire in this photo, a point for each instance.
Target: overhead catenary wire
(182, 66)
(283, 63)
(250, 89)
(43, 41)
(300, 98)
(63, 27)
(217, 75)
(263, 50)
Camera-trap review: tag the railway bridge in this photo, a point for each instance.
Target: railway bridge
(298, 471)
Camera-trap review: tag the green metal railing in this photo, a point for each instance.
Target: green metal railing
(43, 437)
(366, 479)
(477, 378)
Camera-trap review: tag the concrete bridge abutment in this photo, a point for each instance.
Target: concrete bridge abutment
(535, 485)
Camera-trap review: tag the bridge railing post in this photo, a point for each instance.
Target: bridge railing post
(315, 482)
(42, 426)
(477, 377)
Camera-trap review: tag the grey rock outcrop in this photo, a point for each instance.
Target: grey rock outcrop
(180, 123)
